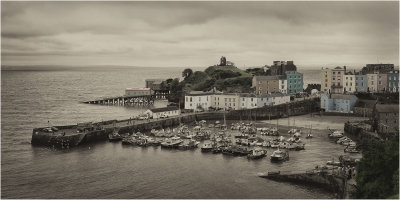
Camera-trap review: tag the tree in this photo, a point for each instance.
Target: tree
(378, 170)
(187, 72)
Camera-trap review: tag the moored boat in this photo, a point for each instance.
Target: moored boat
(114, 137)
(257, 153)
(279, 155)
(207, 147)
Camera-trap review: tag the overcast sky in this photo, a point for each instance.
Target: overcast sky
(199, 33)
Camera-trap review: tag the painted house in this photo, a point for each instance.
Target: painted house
(266, 84)
(338, 103)
(277, 98)
(386, 118)
(198, 101)
(283, 86)
(361, 83)
(326, 80)
(382, 83)
(372, 83)
(294, 82)
(337, 79)
(393, 81)
(163, 112)
(226, 101)
(349, 83)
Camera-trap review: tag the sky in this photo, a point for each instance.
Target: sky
(193, 34)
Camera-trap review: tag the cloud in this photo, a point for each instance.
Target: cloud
(198, 33)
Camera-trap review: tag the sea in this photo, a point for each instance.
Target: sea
(40, 96)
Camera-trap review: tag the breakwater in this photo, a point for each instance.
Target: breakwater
(70, 136)
(332, 182)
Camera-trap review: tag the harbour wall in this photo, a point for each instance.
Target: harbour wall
(268, 112)
(359, 132)
(331, 182)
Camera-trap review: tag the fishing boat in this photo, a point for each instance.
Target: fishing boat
(207, 147)
(279, 155)
(257, 153)
(114, 136)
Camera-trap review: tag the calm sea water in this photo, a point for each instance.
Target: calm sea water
(31, 98)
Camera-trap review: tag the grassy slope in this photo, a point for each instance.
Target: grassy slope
(205, 80)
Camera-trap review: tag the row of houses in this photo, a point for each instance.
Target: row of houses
(340, 81)
(197, 100)
(290, 83)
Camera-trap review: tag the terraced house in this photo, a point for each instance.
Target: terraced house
(294, 82)
(266, 84)
(393, 81)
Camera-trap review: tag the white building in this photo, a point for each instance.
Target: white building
(248, 101)
(163, 112)
(272, 99)
(283, 86)
(349, 83)
(198, 101)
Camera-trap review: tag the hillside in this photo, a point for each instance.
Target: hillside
(224, 78)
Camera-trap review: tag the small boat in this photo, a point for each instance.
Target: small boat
(335, 134)
(309, 136)
(334, 163)
(257, 153)
(114, 137)
(207, 147)
(297, 135)
(279, 155)
(349, 149)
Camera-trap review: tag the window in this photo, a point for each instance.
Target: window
(187, 99)
(190, 99)
(333, 78)
(333, 72)
(347, 78)
(338, 73)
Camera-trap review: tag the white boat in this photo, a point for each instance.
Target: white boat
(336, 134)
(257, 153)
(207, 146)
(279, 155)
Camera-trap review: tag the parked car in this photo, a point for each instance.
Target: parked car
(164, 116)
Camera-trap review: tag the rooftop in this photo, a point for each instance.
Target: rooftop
(266, 77)
(387, 108)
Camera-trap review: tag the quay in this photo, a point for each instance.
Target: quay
(82, 133)
(332, 180)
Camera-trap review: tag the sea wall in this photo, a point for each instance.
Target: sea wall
(359, 132)
(333, 183)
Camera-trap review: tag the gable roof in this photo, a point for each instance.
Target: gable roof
(170, 108)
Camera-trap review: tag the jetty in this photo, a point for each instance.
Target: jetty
(126, 100)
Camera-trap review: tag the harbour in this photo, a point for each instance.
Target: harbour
(145, 168)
